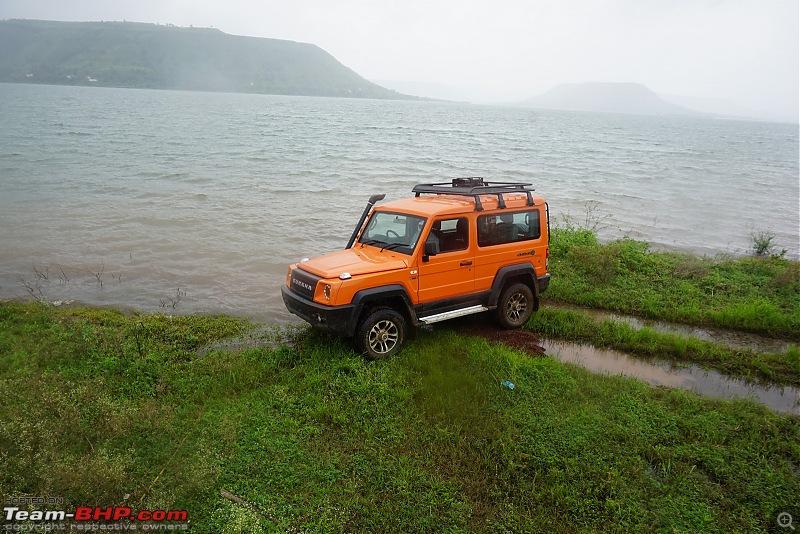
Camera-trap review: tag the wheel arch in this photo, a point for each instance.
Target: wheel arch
(523, 273)
(392, 296)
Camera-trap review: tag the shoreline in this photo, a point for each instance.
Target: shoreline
(34, 282)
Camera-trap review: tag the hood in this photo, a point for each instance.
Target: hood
(356, 261)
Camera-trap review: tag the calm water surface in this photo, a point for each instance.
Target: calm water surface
(197, 201)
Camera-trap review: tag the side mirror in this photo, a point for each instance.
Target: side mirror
(431, 249)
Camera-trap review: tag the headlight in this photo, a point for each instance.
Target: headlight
(326, 290)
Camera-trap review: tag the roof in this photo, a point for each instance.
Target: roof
(443, 204)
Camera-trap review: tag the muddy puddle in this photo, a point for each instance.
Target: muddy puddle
(704, 382)
(729, 338)
(262, 337)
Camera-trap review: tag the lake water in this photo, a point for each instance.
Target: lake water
(196, 202)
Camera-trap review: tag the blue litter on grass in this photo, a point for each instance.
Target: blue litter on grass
(508, 384)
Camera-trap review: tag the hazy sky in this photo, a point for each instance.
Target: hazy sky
(745, 51)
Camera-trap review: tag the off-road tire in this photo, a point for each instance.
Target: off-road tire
(381, 333)
(514, 307)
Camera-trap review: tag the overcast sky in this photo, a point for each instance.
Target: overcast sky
(744, 51)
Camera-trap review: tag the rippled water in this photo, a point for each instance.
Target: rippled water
(197, 201)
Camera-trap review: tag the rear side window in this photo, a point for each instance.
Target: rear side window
(500, 228)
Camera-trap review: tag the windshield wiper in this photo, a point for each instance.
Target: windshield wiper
(392, 246)
(372, 242)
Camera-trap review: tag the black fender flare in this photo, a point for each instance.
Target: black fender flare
(523, 271)
(365, 297)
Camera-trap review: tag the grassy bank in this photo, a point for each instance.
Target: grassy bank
(760, 295)
(96, 406)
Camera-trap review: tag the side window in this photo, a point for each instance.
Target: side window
(500, 228)
(452, 234)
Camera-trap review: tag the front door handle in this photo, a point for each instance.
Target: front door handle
(465, 263)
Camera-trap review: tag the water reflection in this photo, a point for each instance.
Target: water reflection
(658, 373)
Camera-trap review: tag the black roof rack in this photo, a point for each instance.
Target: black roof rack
(474, 187)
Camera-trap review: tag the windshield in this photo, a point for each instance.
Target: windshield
(392, 231)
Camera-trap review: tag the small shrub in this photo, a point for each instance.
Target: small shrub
(789, 278)
(691, 267)
(763, 241)
(633, 254)
(563, 240)
(600, 264)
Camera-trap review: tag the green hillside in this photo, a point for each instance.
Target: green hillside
(125, 54)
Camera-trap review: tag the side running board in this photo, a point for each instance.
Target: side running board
(453, 314)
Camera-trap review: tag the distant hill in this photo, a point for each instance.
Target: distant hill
(607, 97)
(127, 54)
(716, 106)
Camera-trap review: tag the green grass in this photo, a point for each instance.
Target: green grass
(95, 405)
(760, 295)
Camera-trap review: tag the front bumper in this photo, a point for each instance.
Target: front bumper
(337, 319)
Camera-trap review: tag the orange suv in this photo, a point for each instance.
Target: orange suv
(453, 249)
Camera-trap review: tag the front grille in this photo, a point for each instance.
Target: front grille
(304, 283)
